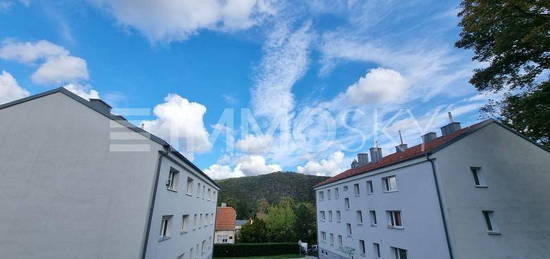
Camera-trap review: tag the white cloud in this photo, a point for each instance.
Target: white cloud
(83, 91)
(255, 144)
(56, 64)
(285, 61)
(378, 86)
(172, 20)
(28, 52)
(61, 69)
(248, 165)
(333, 165)
(180, 122)
(9, 89)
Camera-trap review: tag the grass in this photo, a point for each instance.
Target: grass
(266, 257)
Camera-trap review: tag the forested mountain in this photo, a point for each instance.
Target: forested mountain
(244, 193)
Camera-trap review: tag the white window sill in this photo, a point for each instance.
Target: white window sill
(494, 233)
(172, 190)
(396, 227)
(163, 239)
(481, 186)
(373, 225)
(370, 193)
(363, 255)
(390, 191)
(183, 232)
(188, 194)
(360, 224)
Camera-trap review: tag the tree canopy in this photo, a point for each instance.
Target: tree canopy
(511, 38)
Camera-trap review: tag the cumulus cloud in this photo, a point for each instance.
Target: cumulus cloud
(56, 64)
(83, 91)
(172, 20)
(9, 89)
(61, 69)
(248, 165)
(255, 144)
(379, 85)
(28, 52)
(180, 122)
(325, 167)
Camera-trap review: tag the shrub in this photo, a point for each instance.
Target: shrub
(254, 249)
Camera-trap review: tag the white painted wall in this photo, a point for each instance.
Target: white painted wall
(221, 234)
(422, 235)
(518, 180)
(63, 194)
(181, 203)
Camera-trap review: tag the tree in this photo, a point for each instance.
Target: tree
(253, 232)
(511, 36)
(305, 226)
(280, 221)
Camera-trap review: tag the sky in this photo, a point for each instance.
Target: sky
(248, 87)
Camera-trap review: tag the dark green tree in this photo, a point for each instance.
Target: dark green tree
(512, 37)
(306, 222)
(253, 232)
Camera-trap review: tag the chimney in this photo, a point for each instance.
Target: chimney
(428, 137)
(101, 105)
(354, 164)
(224, 205)
(451, 127)
(401, 147)
(362, 159)
(375, 153)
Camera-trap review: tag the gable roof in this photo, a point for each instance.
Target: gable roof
(225, 219)
(118, 118)
(410, 153)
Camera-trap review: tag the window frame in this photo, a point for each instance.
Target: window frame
(393, 219)
(387, 183)
(478, 177)
(376, 248)
(396, 251)
(359, 217)
(370, 187)
(373, 218)
(347, 205)
(185, 223)
(173, 179)
(165, 225)
(362, 247)
(356, 190)
(490, 224)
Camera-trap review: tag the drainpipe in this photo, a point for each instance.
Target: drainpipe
(443, 217)
(153, 198)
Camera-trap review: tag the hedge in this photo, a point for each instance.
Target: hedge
(254, 249)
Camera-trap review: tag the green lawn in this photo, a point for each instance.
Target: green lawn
(266, 257)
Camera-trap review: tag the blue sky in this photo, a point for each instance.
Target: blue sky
(282, 85)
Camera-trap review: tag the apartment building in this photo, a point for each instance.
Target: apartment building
(475, 192)
(226, 218)
(77, 181)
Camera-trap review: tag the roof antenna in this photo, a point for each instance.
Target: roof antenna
(450, 117)
(376, 143)
(400, 137)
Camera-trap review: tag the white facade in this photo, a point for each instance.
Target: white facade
(512, 189)
(68, 191)
(224, 237)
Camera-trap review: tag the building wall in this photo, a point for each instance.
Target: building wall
(178, 203)
(518, 179)
(63, 194)
(220, 234)
(422, 234)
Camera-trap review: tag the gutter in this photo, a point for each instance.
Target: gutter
(443, 216)
(153, 198)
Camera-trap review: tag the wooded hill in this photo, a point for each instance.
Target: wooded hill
(244, 193)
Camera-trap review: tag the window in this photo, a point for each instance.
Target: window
(198, 190)
(189, 185)
(184, 223)
(356, 189)
(331, 239)
(348, 228)
(194, 221)
(390, 183)
(394, 218)
(340, 241)
(489, 215)
(346, 202)
(376, 249)
(328, 194)
(373, 220)
(336, 193)
(203, 247)
(191, 253)
(172, 182)
(209, 197)
(165, 227)
(323, 235)
(181, 256)
(322, 215)
(359, 217)
(330, 215)
(321, 196)
(370, 189)
(203, 191)
(399, 253)
(362, 248)
(346, 188)
(479, 180)
(338, 216)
